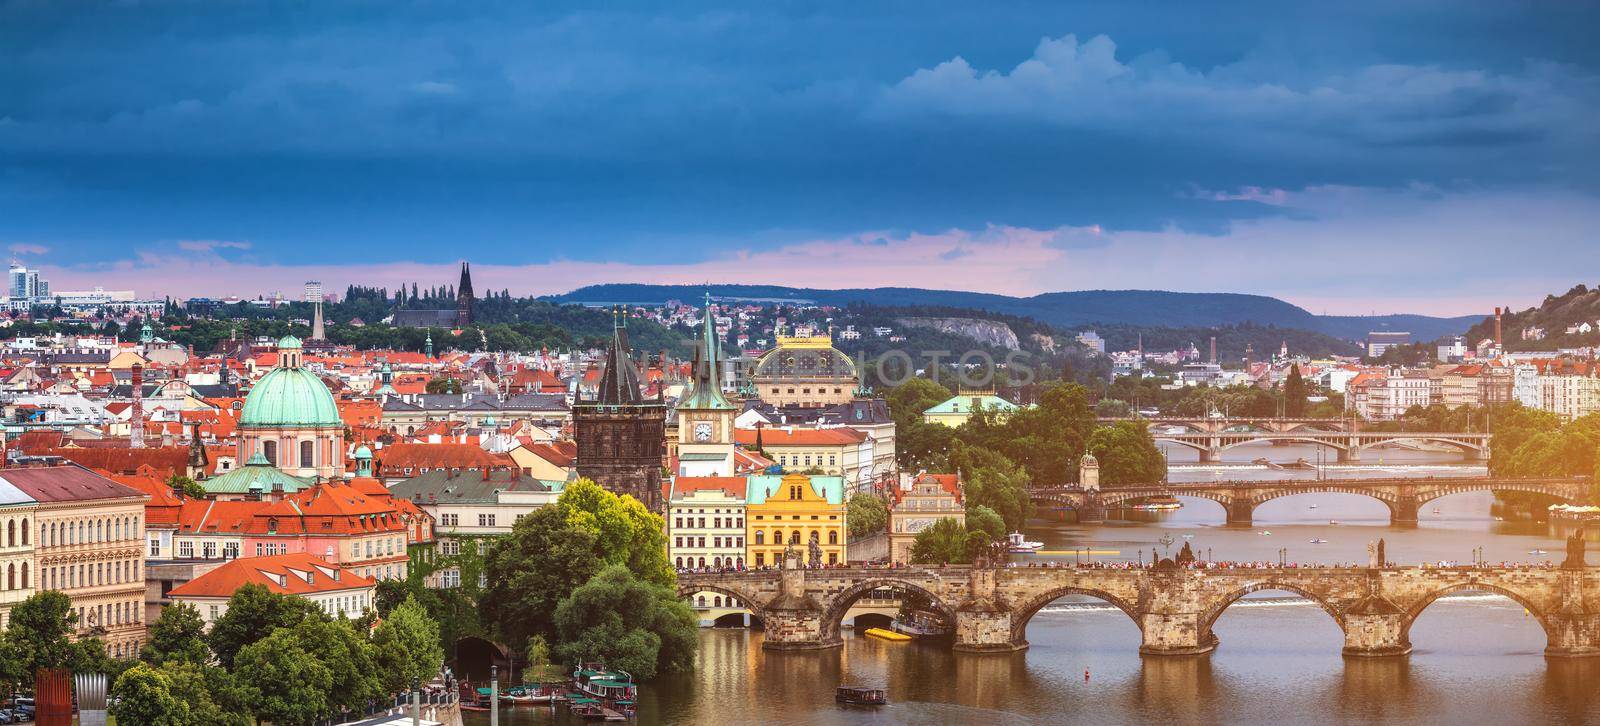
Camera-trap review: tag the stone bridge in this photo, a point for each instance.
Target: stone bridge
(1404, 496)
(1277, 424)
(1174, 608)
(1348, 446)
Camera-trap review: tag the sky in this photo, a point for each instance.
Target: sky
(1395, 156)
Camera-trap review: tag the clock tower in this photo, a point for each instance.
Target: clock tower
(705, 417)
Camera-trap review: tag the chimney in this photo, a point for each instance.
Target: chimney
(136, 434)
(1498, 343)
(1213, 349)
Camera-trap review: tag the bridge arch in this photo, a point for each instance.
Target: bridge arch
(1331, 487)
(1445, 489)
(833, 611)
(1416, 609)
(756, 608)
(1021, 616)
(1221, 604)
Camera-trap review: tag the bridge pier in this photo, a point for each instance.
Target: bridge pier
(1347, 455)
(1091, 513)
(1375, 628)
(1404, 510)
(1211, 455)
(985, 630)
(796, 629)
(1175, 634)
(1241, 513)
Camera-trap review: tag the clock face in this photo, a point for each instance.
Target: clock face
(702, 431)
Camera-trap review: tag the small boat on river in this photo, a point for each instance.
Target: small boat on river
(1319, 540)
(1159, 503)
(1538, 552)
(860, 696)
(889, 635)
(1017, 544)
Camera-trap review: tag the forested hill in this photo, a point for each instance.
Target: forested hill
(1060, 309)
(1554, 316)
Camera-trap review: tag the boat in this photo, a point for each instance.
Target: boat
(1015, 543)
(1265, 533)
(919, 624)
(1159, 503)
(882, 634)
(860, 696)
(1333, 522)
(1319, 540)
(528, 695)
(596, 712)
(1313, 506)
(1188, 536)
(1538, 552)
(1435, 510)
(605, 685)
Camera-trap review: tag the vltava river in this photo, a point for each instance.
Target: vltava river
(1477, 658)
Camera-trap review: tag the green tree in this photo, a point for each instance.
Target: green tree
(626, 533)
(347, 655)
(531, 570)
(627, 622)
(942, 543)
(540, 669)
(284, 683)
(212, 695)
(994, 482)
(178, 635)
(189, 487)
(143, 695)
(443, 385)
(36, 637)
(1127, 454)
(1295, 393)
(254, 612)
(407, 646)
(981, 519)
(866, 514)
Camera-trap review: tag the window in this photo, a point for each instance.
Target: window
(208, 550)
(833, 558)
(230, 550)
(677, 541)
(307, 453)
(185, 549)
(212, 613)
(269, 449)
(761, 559)
(449, 520)
(833, 537)
(760, 539)
(485, 520)
(155, 548)
(450, 547)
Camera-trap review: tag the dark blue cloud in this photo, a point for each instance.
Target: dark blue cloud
(352, 132)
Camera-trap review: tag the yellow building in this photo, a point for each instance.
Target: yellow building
(794, 510)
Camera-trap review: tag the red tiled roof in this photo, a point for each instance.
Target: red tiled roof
(684, 485)
(439, 456)
(558, 453)
(950, 483)
(66, 484)
(122, 459)
(282, 574)
(800, 437)
(164, 507)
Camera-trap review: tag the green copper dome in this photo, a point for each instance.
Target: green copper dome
(290, 397)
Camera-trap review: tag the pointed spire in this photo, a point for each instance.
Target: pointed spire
(706, 392)
(619, 384)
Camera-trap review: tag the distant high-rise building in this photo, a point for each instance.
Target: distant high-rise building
(25, 284)
(1379, 341)
(313, 291)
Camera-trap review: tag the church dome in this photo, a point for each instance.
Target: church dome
(805, 358)
(290, 398)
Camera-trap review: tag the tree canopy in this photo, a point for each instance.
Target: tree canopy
(630, 623)
(866, 514)
(254, 612)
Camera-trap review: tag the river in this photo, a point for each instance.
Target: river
(1477, 659)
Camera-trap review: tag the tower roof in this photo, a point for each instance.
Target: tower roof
(706, 391)
(619, 383)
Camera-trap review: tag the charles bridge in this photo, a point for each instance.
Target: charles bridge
(1174, 607)
(1404, 496)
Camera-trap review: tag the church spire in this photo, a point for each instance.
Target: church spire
(464, 297)
(706, 391)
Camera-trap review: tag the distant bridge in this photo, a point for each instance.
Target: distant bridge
(1174, 608)
(1404, 497)
(1277, 424)
(1211, 436)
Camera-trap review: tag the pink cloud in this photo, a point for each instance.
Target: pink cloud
(28, 249)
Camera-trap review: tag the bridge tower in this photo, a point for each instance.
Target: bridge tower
(793, 620)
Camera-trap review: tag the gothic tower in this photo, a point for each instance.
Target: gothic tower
(620, 433)
(705, 417)
(464, 297)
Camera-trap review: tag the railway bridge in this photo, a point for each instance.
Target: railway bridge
(1174, 607)
(1404, 496)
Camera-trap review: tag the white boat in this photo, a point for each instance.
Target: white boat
(1333, 521)
(1265, 533)
(1435, 510)
(1188, 536)
(1313, 506)
(1319, 540)
(1017, 544)
(1538, 552)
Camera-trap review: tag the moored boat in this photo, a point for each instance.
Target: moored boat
(860, 696)
(1159, 503)
(1016, 543)
(608, 686)
(882, 634)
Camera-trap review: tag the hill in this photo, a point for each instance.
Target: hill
(1153, 308)
(1554, 316)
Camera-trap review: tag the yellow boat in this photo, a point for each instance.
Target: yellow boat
(887, 634)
